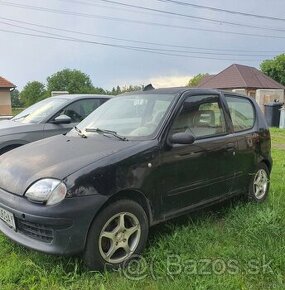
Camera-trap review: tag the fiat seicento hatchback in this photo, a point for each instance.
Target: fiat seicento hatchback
(138, 160)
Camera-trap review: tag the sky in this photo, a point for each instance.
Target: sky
(181, 45)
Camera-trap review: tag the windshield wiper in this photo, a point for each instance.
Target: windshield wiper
(104, 131)
(80, 133)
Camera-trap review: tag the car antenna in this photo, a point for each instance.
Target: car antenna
(148, 87)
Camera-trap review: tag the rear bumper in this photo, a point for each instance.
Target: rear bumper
(61, 229)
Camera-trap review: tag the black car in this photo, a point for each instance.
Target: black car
(49, 117)
(137, 160)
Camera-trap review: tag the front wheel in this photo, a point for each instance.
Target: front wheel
(117, 234)
(259, 184)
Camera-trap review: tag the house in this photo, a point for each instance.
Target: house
(246, 80)
(6, 88)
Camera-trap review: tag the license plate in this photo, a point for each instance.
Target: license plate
(8, 218)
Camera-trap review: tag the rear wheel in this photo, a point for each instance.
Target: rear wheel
(117, 234)
(259, 184)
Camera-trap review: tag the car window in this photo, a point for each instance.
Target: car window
(130, 108)
(79, 110)
(242, 112)
(40, 111)
(160, 105)
(201, 115)
(132, 116)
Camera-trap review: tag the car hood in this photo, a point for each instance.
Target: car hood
(8, 127)
(55, 157)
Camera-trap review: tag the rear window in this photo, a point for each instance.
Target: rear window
(242, 112)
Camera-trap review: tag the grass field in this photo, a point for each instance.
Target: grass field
(233, 246)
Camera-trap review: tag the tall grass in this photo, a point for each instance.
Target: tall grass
(236, 245)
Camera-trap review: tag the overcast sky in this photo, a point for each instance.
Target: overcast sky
(26, 58)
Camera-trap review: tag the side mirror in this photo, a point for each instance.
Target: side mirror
(62, 119)
(182, 138)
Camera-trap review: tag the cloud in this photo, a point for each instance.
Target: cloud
(160, 81)
(26, 58)
(170, 81)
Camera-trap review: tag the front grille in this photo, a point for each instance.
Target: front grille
(36, 231)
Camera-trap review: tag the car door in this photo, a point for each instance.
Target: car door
(205, 170)
(243, 117)
(77, 111)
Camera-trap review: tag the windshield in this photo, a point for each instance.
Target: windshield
(39, 111)
(129, 116)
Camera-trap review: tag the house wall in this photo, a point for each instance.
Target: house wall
(247, 92)
(265, 96)
(251, 93)
(5, 102)
(240, 91)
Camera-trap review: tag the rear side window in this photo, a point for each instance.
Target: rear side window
(242, 113)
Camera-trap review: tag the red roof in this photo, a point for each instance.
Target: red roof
(239, 76)
(6, 84)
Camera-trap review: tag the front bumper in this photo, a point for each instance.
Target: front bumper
(60, 229)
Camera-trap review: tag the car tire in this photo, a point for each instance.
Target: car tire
(118, 234)
(259, 184)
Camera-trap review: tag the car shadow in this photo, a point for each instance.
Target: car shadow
(218, 211)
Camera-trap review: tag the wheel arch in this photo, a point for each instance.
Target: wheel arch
(267, 163)
(129, 194)
(134, 195)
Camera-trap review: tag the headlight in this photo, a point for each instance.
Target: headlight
(51, 191)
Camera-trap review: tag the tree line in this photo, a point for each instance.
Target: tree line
(77, 82)
(72, 81)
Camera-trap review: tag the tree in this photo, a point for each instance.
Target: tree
(15, 99)
(275, 68)
(194, 82)
(73, 81)
(131, 88)
(97, 90)
(33, 92)
(116, 91)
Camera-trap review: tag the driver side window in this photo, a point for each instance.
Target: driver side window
(79, 110)
(201, 115)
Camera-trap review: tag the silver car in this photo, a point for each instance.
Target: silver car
(52, 116)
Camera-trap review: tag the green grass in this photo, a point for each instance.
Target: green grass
(226, 247)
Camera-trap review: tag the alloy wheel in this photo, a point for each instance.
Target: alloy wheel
(260, 184)
(119, 237)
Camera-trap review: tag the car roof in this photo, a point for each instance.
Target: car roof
(180, 90)
(174, 90)
(81, 96)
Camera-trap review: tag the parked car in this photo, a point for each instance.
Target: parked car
(52, 116)
(137, 160)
